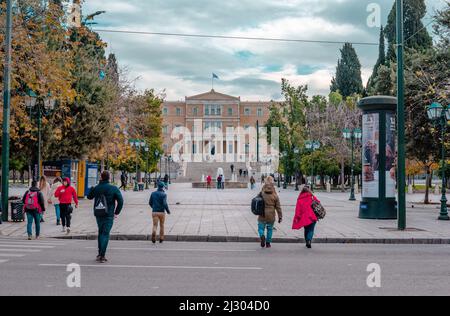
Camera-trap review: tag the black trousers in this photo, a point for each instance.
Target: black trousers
(66, 215)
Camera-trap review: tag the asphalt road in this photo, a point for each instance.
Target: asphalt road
(200, 269)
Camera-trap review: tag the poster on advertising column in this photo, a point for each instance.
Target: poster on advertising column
(371, 153)
(390, 155)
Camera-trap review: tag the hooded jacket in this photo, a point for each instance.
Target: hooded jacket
(272, 204)
(66, 194)
(158, 201)
(41, 200)
(304, 214)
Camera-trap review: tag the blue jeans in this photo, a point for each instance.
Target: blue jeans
(262, 230)
(58, 212)
(105, 225)
(309, 232)
(36, 217)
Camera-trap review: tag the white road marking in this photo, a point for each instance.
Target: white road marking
(11, 255)
(177, 250)
(25, 246)
(153, 267)
(3, 261)
(19, 250)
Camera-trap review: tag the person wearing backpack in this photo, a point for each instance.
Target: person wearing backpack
(34, 206)
(272, 208)
(158, 203)
(305, 216)
(65, 194)
(108, 204)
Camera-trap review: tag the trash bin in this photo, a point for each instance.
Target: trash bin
(17, 214)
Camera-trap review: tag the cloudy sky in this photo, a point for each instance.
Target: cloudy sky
(250, 69)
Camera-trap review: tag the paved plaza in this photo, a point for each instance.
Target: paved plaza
(201, 215)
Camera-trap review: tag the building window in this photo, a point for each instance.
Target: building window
(165, 111)
(260, 112)
(247, 149)
(213, 110)
(247, 127)
(178, 112)
(165, 147)
(230, 111)
(195, 111)
(165, 130)
(213, 126)
(247, 112)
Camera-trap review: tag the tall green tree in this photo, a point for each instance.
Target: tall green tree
(416, 35)
(381, 61)
(348, 80)
(289, 117)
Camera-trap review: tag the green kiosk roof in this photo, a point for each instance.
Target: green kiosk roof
(378, 103)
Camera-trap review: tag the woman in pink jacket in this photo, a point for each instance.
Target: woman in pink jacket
(304, 215)
(66, 193)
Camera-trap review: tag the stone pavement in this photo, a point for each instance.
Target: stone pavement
(201, 215)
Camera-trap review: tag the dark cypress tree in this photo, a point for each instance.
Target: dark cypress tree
(380, 62)
(348, 79)
(416, 35)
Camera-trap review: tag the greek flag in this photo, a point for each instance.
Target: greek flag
(215, 76)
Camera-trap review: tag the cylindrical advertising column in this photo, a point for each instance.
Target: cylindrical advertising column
(378, 158)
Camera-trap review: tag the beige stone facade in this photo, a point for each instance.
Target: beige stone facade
(214, 111)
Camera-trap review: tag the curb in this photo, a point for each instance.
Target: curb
(237, 239)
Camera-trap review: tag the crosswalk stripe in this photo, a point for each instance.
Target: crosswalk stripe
(3, 261)
(19, 250)
(25, 246)
(12, 255)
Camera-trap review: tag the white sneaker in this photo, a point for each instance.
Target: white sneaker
(63, 230)
(68, 231)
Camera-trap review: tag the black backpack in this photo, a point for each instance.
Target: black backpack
(101, 206)
(258, 205)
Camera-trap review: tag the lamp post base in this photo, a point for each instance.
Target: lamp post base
(444, 218)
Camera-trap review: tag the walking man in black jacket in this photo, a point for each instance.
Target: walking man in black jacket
(105, 193)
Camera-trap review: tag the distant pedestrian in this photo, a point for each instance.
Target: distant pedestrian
(166, 181)
(159, 205)
(263, 179)
(304, 215)
(55, 201)
(252, 182)
(108, 203)
(208, 182)
(272, 209)
(66, 194)
(240, 172)
(123, 181)
(34, 207)
(44, 187)
(219, 182)
(232, 169)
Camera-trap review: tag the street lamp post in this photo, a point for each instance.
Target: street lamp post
(6, 112)
(354, 136)
(169, 160)
(312, 145)
(146, 167)
(441, 115)
(138, 145)
(296, 152)
(39, 106)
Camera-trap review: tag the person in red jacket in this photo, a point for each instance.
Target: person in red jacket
(304, 215)
(65, 194)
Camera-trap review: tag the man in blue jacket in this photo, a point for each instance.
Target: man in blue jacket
(105, 193)
(158, 203)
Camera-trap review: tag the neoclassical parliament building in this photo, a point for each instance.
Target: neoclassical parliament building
(216, 110)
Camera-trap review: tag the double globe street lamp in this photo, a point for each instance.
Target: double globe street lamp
(440, 115)
(139, 145)
(39, 106)
(354, 136)
(312, 145)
